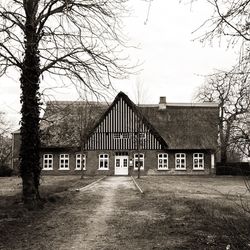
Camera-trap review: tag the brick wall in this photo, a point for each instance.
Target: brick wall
(150, 163)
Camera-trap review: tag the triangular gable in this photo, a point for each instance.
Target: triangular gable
(120, 126)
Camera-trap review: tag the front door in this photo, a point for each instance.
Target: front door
(121, 165)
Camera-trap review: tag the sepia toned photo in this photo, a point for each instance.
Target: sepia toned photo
(124, 125)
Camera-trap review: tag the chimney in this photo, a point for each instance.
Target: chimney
(162, 103)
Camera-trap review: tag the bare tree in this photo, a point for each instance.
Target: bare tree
(140, 93)
(231, 91)
(230, 19)
(5, 126)
(242, 135)
(75, 39)
(5, 142)
(86, 115)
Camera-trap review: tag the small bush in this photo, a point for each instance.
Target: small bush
(233, 168)
(5, 171)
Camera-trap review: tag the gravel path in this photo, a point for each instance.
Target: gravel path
(94, 234)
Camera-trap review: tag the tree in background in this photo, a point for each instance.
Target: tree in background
(86, 120)
(229, 19)
(5, 146)
(242, 135)
(140, 95)
(231, 90)
(73, 39)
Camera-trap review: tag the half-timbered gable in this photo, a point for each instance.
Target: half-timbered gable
(123, 127)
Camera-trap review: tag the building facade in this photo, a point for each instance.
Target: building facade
(115, 139)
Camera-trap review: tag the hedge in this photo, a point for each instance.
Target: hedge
(233, 168)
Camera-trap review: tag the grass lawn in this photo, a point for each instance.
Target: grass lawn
(189, 212)
(175, 212)
(52, 189)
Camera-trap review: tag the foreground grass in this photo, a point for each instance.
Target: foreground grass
(174, 213)
(22, 229)
(188, 213)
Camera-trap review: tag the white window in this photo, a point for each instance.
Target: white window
(103, 161)
(142, 135)
(64, 162)
(80, 162)
(198, 161)
(47, 162)
(162, 161)
(125, 135)
(117, 136)
(136, 162)
(180, 161)
(120, 136)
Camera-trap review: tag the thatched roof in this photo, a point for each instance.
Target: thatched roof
(181, 126)
(185, 127)
(63, 122)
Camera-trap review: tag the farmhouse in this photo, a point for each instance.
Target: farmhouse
(113, 139)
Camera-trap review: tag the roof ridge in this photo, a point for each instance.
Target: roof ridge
(75, 102)
(170, 104)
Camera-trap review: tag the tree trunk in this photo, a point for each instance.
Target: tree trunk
(30, 134)
(225, 142)
(223, 154)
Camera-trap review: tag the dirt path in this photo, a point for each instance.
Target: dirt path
(94, 234)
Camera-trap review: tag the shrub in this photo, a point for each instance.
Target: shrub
(233, 168)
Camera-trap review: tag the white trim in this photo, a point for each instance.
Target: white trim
(80, 159)
(197, 157)
(163, 157)
(136, 184)
(180, 157)
(141, 160)
(46, 161)
(104, 158)
(212, 161)
(64, 162)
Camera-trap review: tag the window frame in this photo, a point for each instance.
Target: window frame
(103, 159)
(164, 156)
(121, 135)
(141, 159)
(200, 156)
(81, 158)
(51, 164)
(63, 158)
(142, 135)
(182, 156)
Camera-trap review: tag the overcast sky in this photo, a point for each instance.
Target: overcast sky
(173, 64)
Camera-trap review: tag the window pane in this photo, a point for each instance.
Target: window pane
(117, 162)
(101, 164)
(125, 163)
(106, 164)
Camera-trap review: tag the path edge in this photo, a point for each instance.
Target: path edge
(89, 185)
(136, 184)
